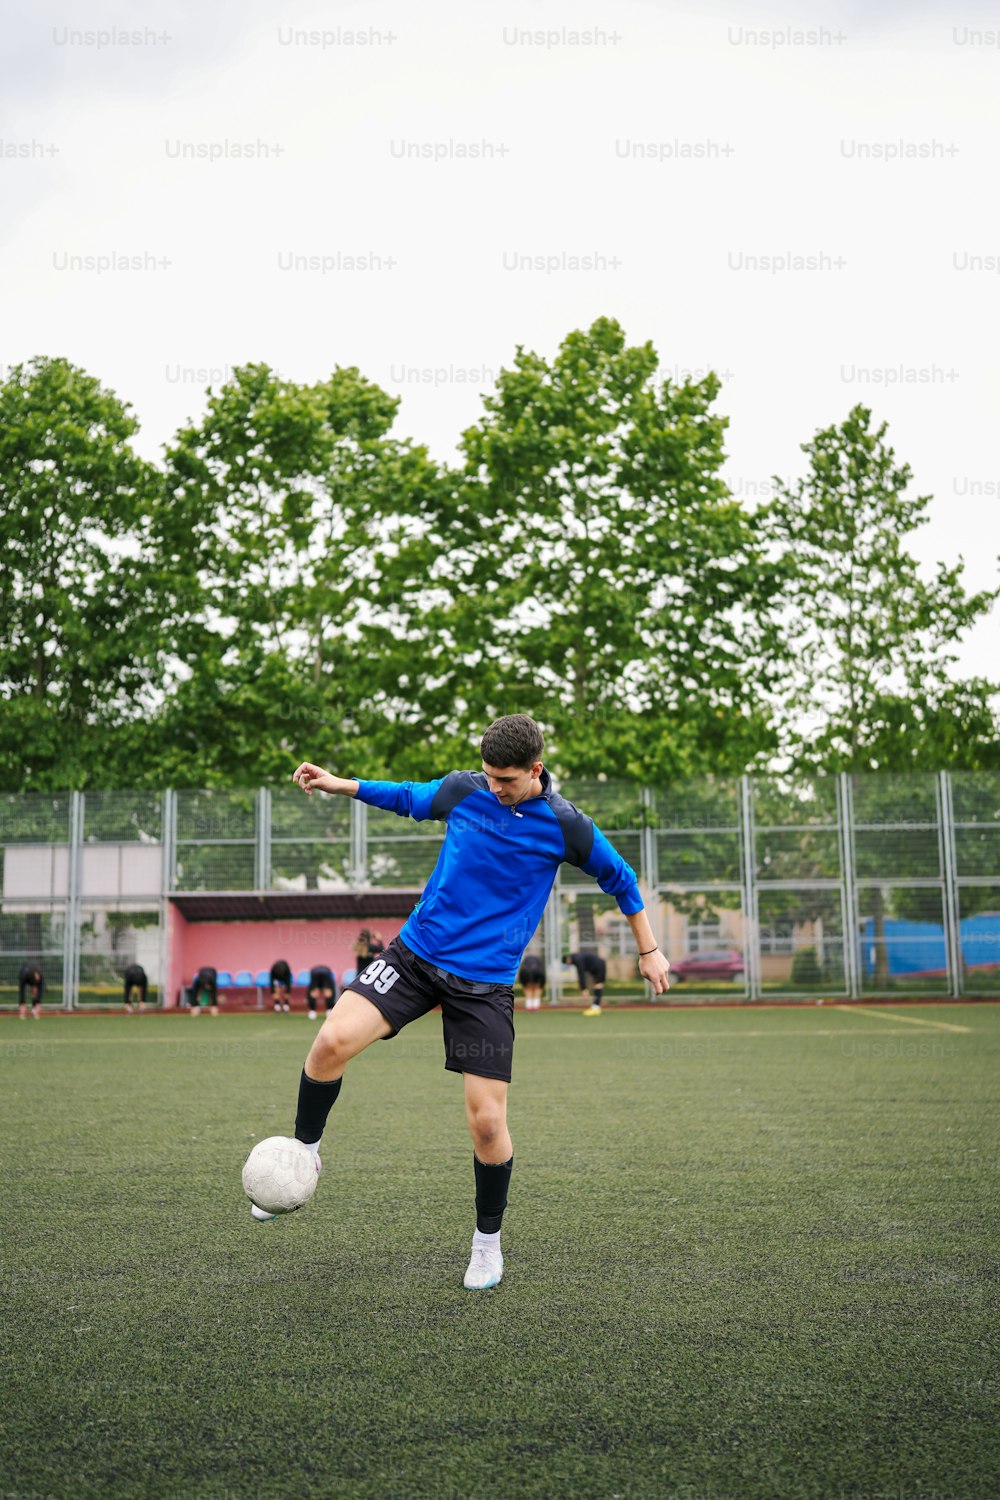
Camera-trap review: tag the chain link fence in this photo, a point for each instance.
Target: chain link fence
(836, 888)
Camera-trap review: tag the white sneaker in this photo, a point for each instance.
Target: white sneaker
(312, 1015)
(485, 1269)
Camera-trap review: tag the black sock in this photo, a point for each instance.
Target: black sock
(315, 1102)
(598, 993)
(492, 1182)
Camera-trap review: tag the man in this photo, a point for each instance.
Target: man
(322, 987)
(205, 991)
(532, 980)
(281, 985)
(136, 985)
(589, 966)
(30, 979)
(508, 831)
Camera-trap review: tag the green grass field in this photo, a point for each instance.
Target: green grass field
(750, 1253)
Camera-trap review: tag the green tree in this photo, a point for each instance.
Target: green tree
(870, 642)
(587, 565)
(286, 501)
(80, 641)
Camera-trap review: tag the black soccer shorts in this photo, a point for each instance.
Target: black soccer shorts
(478, 1016)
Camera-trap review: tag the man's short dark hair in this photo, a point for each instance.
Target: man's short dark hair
(512, 741)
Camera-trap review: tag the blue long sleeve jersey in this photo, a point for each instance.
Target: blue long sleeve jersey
(497, 865)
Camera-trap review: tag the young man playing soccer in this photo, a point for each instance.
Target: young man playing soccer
(507, 832)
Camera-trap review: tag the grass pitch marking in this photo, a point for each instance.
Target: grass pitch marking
(887, 1015)
(579, 1036)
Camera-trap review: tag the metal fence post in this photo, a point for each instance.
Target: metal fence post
(168, 828)
(952, 908)
(848, 885)
(649, 873)
(359, 841)
(748, 893)
(71, 942)
(262, 850)
(552, 933)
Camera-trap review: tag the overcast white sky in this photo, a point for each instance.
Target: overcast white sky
(863, 137)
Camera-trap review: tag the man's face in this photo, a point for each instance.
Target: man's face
(510, 784)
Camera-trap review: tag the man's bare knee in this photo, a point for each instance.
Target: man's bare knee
(487, 1126)
(353, 1026)
(327, 1058)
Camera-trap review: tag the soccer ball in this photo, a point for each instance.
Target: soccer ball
(280, 1175)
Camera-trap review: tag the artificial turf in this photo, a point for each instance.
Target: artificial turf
(749, 1253)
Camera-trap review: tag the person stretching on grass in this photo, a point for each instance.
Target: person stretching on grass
(532, 977)
(589, 966)
(31, 979)
(136, 987)
(507, 832)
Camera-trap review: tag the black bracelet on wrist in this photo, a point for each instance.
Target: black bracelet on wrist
(649, 951)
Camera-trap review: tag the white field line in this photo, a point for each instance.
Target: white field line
(888, 1015)
(578, 1036)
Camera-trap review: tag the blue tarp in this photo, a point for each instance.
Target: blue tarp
(919, 947)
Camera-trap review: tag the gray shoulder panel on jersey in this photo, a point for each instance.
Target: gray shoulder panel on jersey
(577, 829)
(454, 789)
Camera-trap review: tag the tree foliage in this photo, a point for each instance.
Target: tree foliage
(587, 565)
(870, 641)
(80, 645)
(285, 500)
(293, 579)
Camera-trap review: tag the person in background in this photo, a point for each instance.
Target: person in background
(362, 949)
(281, 985)
(136, 987)
(589, 966)
(30, 979)
(322, 987)
(375, 945)
(532, 977)
(205, 991)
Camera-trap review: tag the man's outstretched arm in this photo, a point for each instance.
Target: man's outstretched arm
(314, 779)
(408, 799)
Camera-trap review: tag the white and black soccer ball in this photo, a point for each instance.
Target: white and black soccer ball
(280, 1175)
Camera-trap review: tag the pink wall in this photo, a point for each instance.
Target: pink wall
(256, 945)
(176, 976)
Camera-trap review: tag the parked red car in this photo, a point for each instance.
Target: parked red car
(719, 963)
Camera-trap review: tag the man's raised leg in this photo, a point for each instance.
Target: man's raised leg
(354, 1025)
(493, 1162)
(348, 1029)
